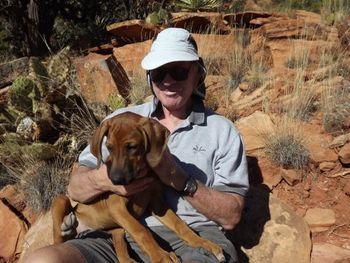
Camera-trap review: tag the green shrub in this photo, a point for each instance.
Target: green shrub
(22, 93)
(115, 101)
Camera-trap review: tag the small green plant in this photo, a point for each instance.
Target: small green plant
(115, 101)
(199, 5)
(285, 145)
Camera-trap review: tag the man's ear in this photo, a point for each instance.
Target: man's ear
(97, 139)
(156, 139)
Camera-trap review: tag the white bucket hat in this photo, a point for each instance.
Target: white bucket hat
(170, 45)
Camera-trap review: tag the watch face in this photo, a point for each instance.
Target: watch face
(191, 187)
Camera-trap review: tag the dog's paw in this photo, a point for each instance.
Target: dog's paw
(69, 226)
(214, 249)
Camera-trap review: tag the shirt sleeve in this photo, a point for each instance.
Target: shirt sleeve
(86, 158)
(231, 171)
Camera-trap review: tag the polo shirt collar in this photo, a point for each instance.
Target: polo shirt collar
(197, 115)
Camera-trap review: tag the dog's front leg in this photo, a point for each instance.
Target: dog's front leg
(120, 246)
(167, 216)
(140, 234)
(60, 208)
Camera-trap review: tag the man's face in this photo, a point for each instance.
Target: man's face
(173, 84)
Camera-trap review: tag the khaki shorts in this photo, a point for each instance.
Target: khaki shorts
(97, 246)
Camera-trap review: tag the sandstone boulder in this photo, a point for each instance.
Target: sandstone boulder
(270, 231)
(12, 233)
(100, 76)
(344, 154)
(39, 235)
(253, 128)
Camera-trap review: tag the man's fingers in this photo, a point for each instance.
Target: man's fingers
(135, 187)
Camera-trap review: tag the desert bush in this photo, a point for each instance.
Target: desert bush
(285, 145)
(335, 106)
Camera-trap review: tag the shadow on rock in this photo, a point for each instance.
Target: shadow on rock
(255, 214)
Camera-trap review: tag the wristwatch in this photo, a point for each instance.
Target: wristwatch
(190, 187)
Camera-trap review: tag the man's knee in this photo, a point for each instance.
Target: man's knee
(55, 254)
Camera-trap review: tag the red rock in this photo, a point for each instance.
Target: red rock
(344, 154)
(12, 233)
(100, 76)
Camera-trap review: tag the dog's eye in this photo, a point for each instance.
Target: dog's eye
(109, 147)
(131, 146)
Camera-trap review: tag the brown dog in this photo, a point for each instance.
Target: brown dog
(134, 143)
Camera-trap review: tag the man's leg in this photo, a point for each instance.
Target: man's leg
(56, 254)
(95, 246)
(169, 241)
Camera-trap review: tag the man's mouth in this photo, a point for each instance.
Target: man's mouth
(170, 93)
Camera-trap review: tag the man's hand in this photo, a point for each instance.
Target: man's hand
(96, 182)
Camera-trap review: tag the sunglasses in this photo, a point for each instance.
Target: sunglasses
(177, 73)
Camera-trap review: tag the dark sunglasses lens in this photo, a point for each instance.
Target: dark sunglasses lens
(177, 73)
(158, 75)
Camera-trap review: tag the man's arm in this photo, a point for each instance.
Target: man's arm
(86, 184)
(222, 207)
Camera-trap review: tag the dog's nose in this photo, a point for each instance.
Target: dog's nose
(119, 178)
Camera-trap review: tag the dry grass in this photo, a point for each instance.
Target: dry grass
(39, 181)
(139, 89)
(256, 75)
(335, 106)
(298, 58)
(285, 145)
(334, 11)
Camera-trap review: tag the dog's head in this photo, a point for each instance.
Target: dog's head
(134, 143)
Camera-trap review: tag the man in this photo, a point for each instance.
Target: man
(204, 168)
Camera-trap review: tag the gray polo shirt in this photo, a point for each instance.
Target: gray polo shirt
(207, 146)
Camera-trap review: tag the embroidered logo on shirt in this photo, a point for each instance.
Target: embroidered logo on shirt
(197, 149)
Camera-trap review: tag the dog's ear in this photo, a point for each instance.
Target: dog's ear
(156, 139)
(97, 139)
